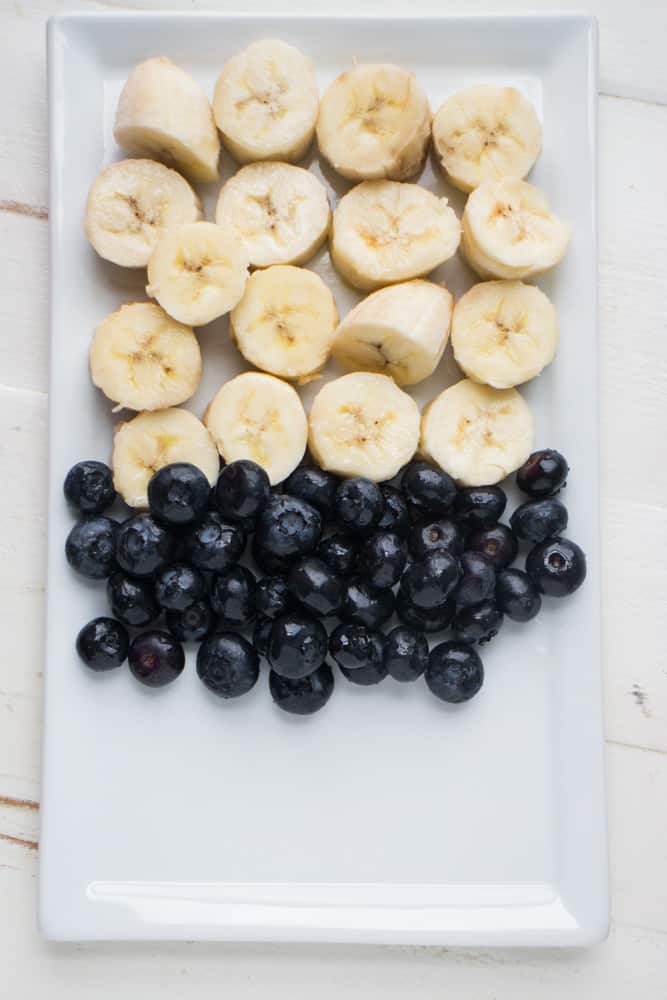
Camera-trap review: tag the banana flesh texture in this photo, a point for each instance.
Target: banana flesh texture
(285, 322)
(477, 434)
(279, 211)
(509, 231)
(385, 232)
(266, 102)
(130, 204)
(150, 441)
(197, 272)
(362, 424)
(401, 330)
(486, 133)
(504, 333)
(261, 418)
(142, 359)
(374, 123)
(165, 115)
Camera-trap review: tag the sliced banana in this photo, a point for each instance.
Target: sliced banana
(197, 272)
(130, 204)
(281, 212)
(400, 331)
(259, 417)
(384, 232)
(485, 133)
(164, 114)
(477, 434)
(285, 322)
(266, 102)
(509, 231)
(363, 425)
(143, 359)
(374, 122)
(152, 440)
(504, 333)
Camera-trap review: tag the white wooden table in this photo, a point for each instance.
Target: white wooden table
(633, 347)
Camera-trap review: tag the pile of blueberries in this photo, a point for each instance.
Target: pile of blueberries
(433, 554)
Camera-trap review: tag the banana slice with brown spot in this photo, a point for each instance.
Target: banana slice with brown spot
(143, 359)
(486, 133)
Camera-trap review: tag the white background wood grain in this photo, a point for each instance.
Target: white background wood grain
(633, 355)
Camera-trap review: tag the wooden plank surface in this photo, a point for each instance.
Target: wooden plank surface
(633, 371)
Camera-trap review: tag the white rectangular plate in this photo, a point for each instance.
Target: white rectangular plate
(388, 817)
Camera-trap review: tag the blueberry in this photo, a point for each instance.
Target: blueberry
(103, 644)
(359, 505)
(498, 544)
(395, 516)
(193, 624)
(557, 567)
(427, 536)
(340, 553)
(177, 586)
(227, 664)
(178, 494)
(538, 520)
(297, 645)
(455, 672)
(90, 546)
(429, 488)
(261, 634)
(517, 596)
(143, 546)
(431, 580)
(479, 506)
(405, 653)
(133, 601)
(363, 605)
(358, 652)
(478, 579)
(315, 586)
(477, 623)
(288, 527)
(213, 544)
(233, 596)
(543, 473)
(315, 486)
(434, 620)
(156, 658)
(243, 490)
(89, 487)
(382, 559)
(272, 596)
(304, 695)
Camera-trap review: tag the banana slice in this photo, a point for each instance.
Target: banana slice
(281, 212)
(374, 122)
(163, 113)
(197, 272)
(130, 204)
(152, 440)
(400, 331)
(143, 359)
(363, 425)
(485, 133)
(504, 333)
(259, 417)
(477, 434)
(266, 102)
(384, 232)
(510, 232)
(285, 322)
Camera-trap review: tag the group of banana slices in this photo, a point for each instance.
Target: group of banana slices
(373, 126)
